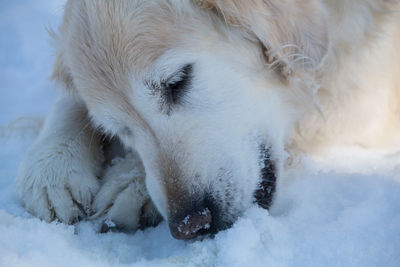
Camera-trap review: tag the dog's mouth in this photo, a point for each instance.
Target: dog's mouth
(265, 192)
(208, 220)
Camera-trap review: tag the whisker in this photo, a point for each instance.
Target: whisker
(275, 51)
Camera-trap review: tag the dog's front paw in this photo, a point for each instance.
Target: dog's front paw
(123, 202)
(57, 180)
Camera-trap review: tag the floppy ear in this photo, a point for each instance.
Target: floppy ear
(293, 32)
(61, 73)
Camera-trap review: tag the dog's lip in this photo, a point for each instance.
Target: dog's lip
(265, 192)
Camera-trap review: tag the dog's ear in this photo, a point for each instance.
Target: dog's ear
(293, 32)
(61, 73)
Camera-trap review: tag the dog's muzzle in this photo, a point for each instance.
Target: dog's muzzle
(203, 215)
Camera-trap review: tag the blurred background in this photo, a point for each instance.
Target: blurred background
(26, 57)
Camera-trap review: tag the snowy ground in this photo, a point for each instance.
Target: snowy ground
(335, 212)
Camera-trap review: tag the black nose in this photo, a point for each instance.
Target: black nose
(191, 225)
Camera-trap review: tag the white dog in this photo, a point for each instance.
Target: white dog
(209, 94)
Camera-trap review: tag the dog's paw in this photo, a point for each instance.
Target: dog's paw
(58, 181)
(123, 202)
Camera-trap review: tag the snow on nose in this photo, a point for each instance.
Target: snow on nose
(191, 225)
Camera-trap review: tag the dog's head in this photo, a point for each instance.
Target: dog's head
(203, 90)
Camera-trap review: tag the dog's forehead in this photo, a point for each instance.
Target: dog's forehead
(106, 44)
(122, 36)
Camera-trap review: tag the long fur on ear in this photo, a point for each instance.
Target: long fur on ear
(293, 32)
(61, 74)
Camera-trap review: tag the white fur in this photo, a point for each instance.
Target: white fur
(57, 178)
(297, 75)
(123, 194)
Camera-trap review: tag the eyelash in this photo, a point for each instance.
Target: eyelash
(172, 89)
(176, 86)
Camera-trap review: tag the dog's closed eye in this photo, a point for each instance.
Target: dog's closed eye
(172, 89)
(175, 87)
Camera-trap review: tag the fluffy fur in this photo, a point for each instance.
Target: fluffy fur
(292, 75)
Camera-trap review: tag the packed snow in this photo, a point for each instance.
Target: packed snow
(340, 209)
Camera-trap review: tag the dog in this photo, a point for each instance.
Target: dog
(191, 111)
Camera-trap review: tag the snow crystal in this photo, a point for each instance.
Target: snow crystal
(186, 219)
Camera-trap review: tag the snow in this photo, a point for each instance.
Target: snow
(341, 209)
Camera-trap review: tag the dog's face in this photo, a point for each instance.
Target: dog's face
(191, 90)
(204, 142)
